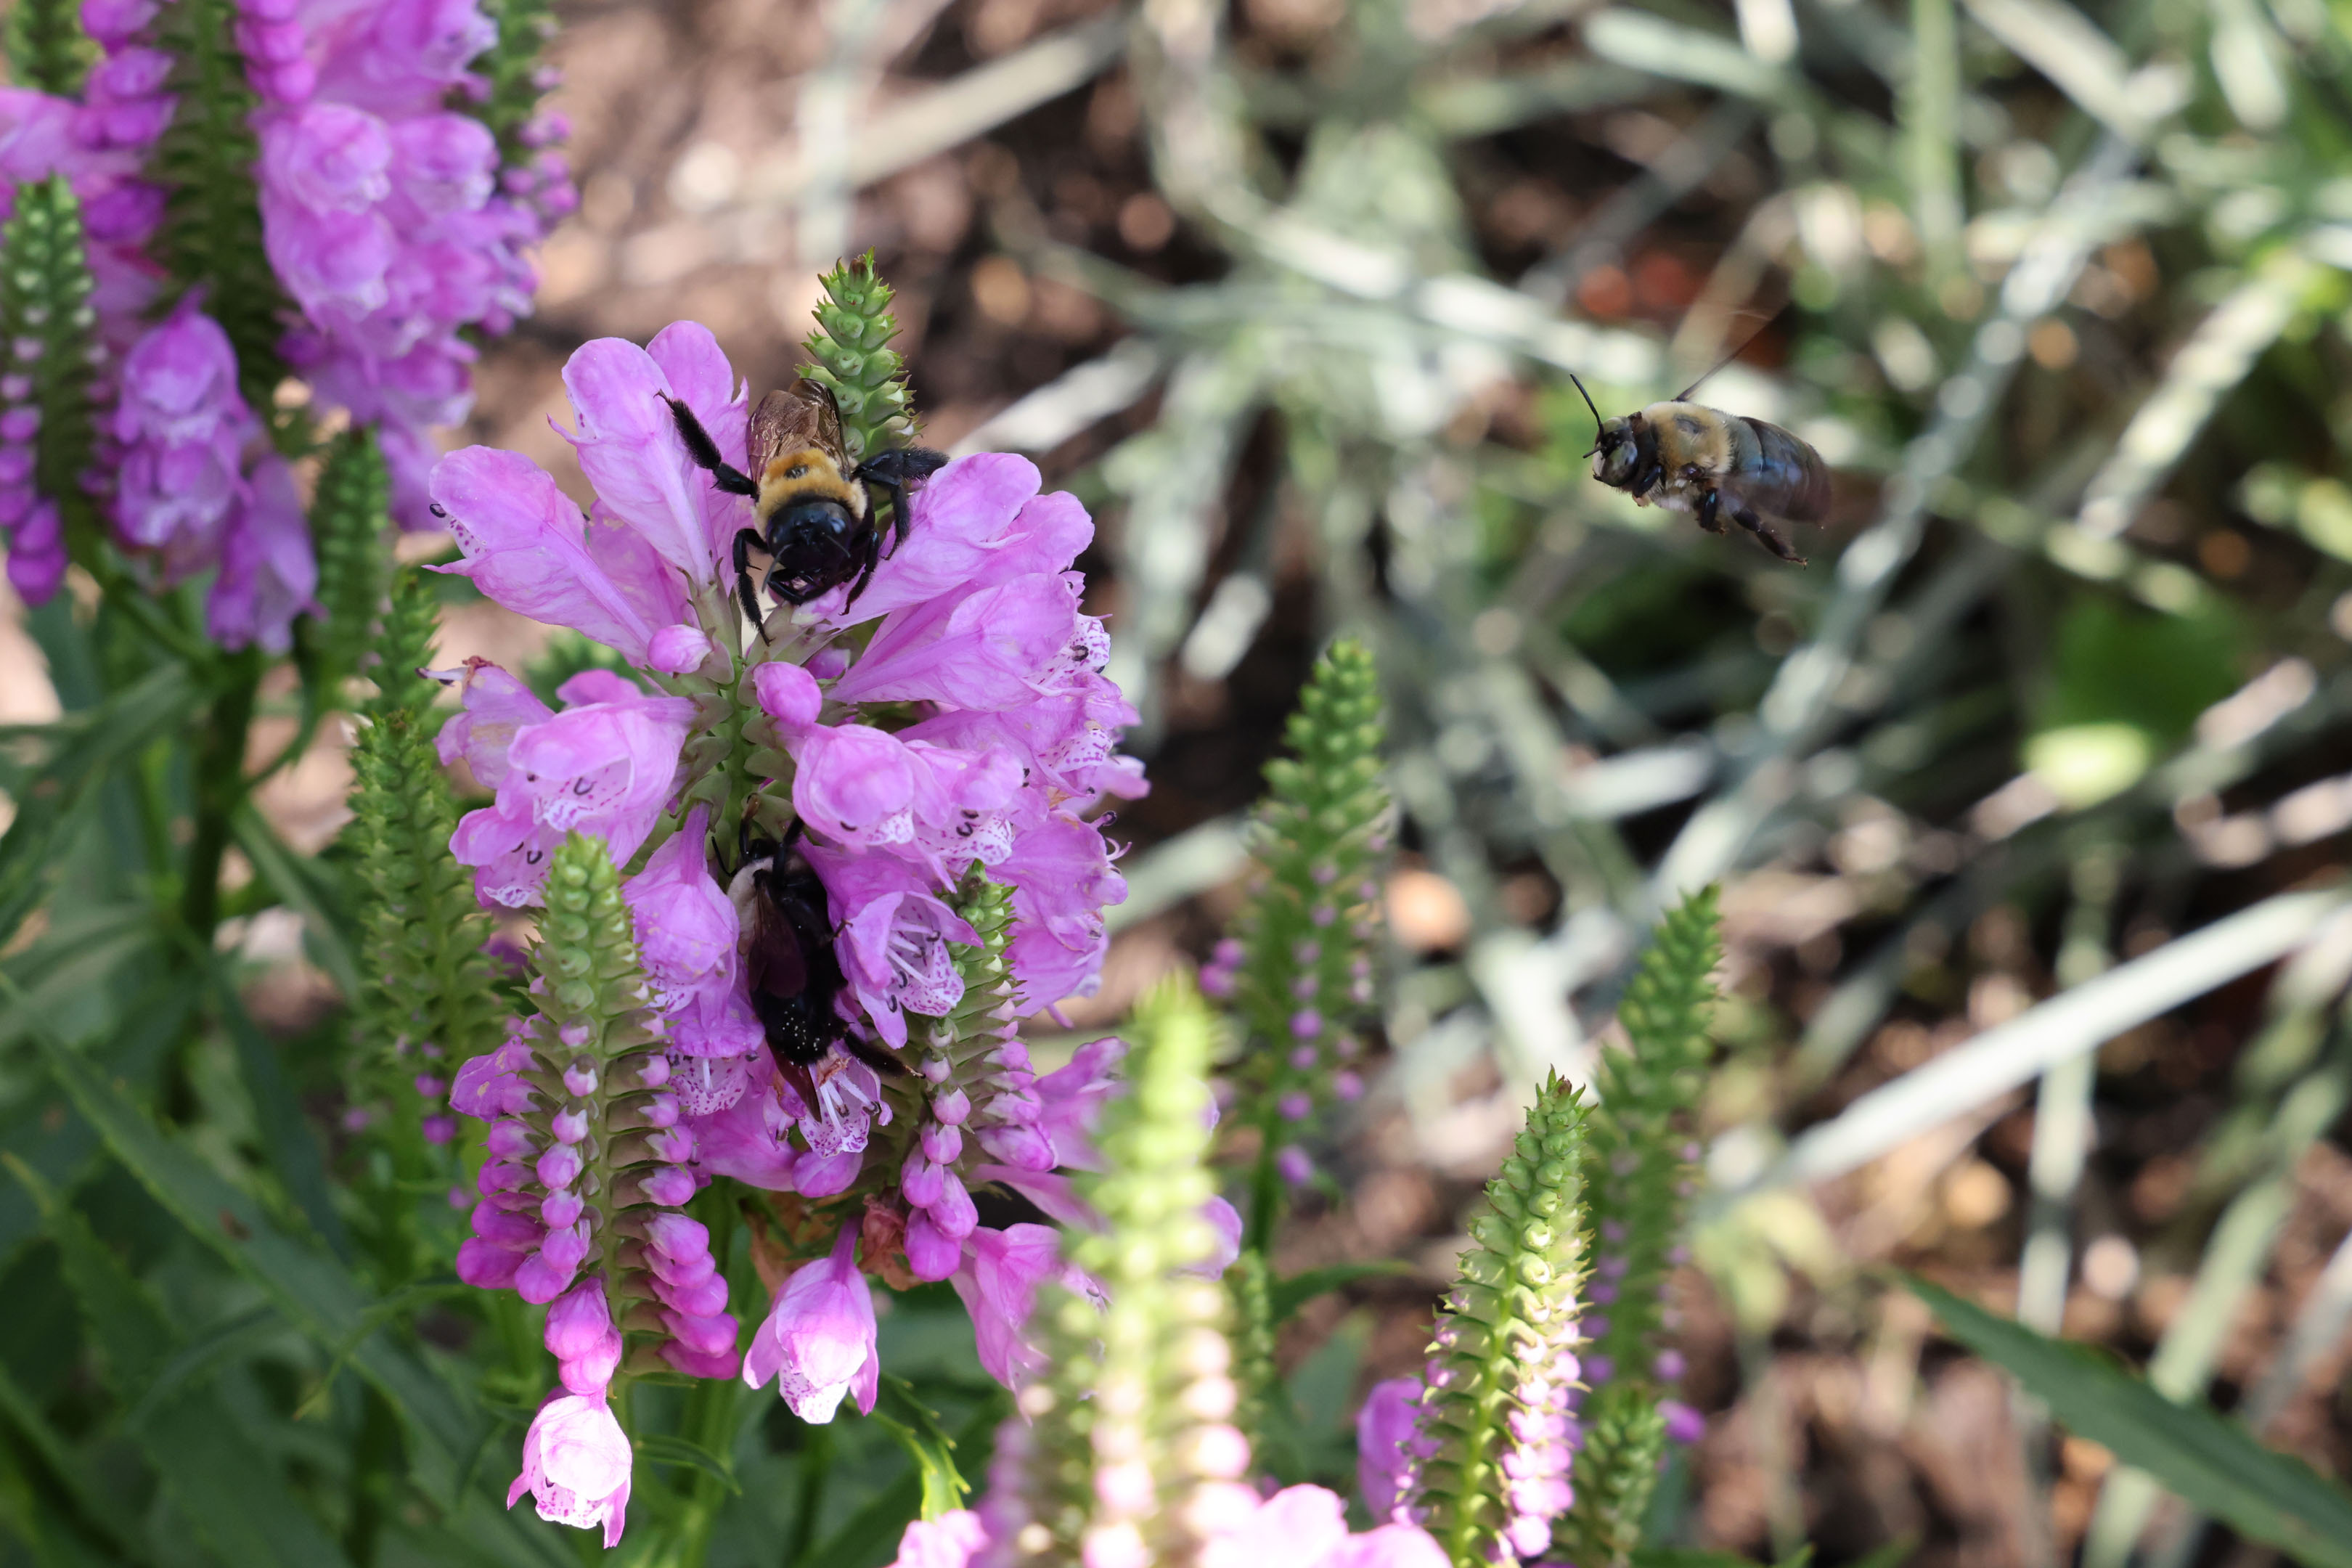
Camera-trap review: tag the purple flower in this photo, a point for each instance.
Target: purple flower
(581, 1337)
(950, 1541)
(998, 1281)
(575, 1465)
(629, 448)
(1388, 1443)
(818, 1340)
(1072, 1097)
(605, 766)
(1683, 1425)
(894, 939)
(1307, 1527)
(181, 425)
(267, 569)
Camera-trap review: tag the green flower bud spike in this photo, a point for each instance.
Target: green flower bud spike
(44, 286)
(47, 49)
(347, 524)
(852, 350)
(1640, 1166)
(1128, 1451)
(1502, 1362)
(1300, 966)
(428, 1004)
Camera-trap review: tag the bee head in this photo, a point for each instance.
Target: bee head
(1616, 451)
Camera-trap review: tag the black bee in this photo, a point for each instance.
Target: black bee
(789, 962)
(814, 510)
(1690, 458)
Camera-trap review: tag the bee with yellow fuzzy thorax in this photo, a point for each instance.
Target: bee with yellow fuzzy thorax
(814, 507)
(1688, 457)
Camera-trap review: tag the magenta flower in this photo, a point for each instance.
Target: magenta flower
(583, 1339)
(818, 1340)
(1307, 1527)
(605, 765)
(575, 1465)
(998, 1281)
(1388, 1443)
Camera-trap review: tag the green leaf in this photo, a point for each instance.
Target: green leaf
(52, 1453)
(681, 1453)
(1288, 1296)
(285, 1135)
(72, 757)
(916, 1428)
(233, 1493)
(2214, 1465)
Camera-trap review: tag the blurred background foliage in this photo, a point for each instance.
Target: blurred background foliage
(2029, 794)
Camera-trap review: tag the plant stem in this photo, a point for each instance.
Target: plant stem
(219, 790)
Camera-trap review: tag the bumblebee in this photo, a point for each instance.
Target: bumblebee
(1688, 457)
(790, 966)
(814, 508)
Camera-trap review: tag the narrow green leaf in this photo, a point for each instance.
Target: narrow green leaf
(54, 1455)
(233, 1494)
(1288, 1296)
(2212, 1465)
(916, 1428)
(293, 1151)
(73, 756)
(197, 1358)
(684, 1453)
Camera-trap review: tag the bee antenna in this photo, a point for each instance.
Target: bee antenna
(1745, 343)
(1596, 413)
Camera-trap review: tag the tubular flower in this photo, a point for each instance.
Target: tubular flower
(857, 838)
(575, 1465)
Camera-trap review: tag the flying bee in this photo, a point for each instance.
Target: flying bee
(789, 965)
(1688, 457)
(814, 508)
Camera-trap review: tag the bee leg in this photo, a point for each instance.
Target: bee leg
(746, 541)
(1745, 516)
(1710, 501)
(1646, 479)
(705, 451)
(873, 553)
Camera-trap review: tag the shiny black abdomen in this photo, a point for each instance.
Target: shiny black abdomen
(1782, 475)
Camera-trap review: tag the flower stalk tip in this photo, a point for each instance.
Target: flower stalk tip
(852, 350)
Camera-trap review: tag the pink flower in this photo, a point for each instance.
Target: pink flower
(894, 939)
(1072, 1097)
(575, 1465)
(998, 1281)
(950, 1541)
(987, 649)
(978, 521)
(527, 548)
(1388, 1437)
(629, 446)
(1307, 1527)
(493, 706)
(583, 1339)
(686, 926)
(267, 569)
(818, 1343)
(183, 426)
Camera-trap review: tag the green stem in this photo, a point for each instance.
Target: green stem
(219, 791)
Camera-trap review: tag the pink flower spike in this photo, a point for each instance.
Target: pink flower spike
(575, 1465)
(818, 1341)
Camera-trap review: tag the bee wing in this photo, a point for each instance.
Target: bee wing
(803, 415)
(773, 961)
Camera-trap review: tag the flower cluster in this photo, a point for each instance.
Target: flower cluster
(386, 217)
(870, 821)
(390, 222)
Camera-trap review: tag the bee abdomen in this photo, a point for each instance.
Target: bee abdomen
(1783, 474)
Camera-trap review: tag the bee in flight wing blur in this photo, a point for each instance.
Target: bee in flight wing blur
(813, 508)
(1688, 457)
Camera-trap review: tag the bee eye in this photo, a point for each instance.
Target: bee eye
(797, 471)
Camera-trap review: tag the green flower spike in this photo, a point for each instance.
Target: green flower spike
(47, 49)
(44, 286)
(348, 520)
(1502, 1363)
(1128, 1451)
(1298, 966)
(429, 1004)
(852, 350)
(1641, 1169)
